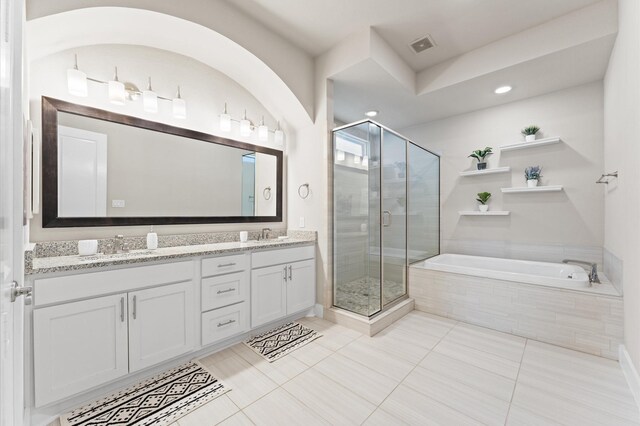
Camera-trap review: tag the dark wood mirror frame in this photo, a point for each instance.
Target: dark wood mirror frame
(50, 219)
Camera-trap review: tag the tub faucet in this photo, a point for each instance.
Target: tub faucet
(593, 275)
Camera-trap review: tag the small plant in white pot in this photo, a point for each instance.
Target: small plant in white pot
(483, 199)
(529, 133)
(480, 154)
(533, 175)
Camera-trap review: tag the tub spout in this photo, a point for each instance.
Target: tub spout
(593, 274)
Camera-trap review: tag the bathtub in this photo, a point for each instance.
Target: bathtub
(548, 302)
(547, 274)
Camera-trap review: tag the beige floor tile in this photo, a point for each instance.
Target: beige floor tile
(414, 408)
(400, 345)
(365, 382)
(475, 404)
(377, 360)
(332, 401)
(247, 383)
(422, 323)
(279, 371)
(311, 354)
(281, 408)
(238, 419)
(478, 358)
(494, 342)
(562, 410)
(518, 416)
(477, 378)
(382, 418)
(210, 413)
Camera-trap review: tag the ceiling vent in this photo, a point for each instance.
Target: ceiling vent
(422, 44)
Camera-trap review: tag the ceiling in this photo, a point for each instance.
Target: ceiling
(457, 26)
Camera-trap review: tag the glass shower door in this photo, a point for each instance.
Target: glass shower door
(356, 219)
(394, 217)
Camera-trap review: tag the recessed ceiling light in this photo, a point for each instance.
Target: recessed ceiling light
(371, 113)
(502, 89)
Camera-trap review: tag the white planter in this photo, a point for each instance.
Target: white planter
(483, 207)
(529, 138)
(532, 183)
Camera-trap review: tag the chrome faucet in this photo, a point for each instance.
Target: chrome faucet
(264, 235)
(593, 274)
(119, 246)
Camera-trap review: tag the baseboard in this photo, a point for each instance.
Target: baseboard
(630, 373)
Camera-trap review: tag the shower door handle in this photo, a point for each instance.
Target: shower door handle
(386, 218)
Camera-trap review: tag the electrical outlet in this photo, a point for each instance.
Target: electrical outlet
(301, 224)
(117, 204)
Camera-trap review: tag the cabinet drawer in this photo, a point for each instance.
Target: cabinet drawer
(276, 257)
(224, 290)
(224, 265)
(224, 322)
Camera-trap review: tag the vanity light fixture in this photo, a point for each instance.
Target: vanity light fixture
(339, 155)
(117, 94)
(179, 106)
(371, 113)
(502, 90)
(225, 120)
(356, 159)
(150, 99)
(263, 131)
(278, 136)
(77, 81)
(245, 126)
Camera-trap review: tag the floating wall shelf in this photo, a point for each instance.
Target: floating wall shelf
(486, 171)
(488, 213)
(550, 188)
(533, 144)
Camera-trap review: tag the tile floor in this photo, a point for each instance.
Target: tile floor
(422, 370)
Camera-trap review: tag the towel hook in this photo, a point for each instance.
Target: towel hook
(607, 175)
(267, 193)
(302, 191)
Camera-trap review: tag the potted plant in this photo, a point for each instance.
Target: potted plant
(533, 175)
(483, 199)
(480, 154)
(529, 133)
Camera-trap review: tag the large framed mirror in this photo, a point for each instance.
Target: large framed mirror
(101, 168)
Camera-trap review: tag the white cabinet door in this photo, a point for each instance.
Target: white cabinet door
(161, 324)
(78, 346)
(268, 295)
(301, 286)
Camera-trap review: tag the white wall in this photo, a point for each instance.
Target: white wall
(541, 226)
(622, 153)
(205, 90)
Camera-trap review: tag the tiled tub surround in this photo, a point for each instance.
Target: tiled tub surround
(60, 256)
(584, 320)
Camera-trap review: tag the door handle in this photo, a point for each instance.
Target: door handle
(290, 272)
(134, 307)
(226, 291)
(18, 290)
(226, 265)
(122, 309)
(222, 324)
(386, 215)
(285, 273)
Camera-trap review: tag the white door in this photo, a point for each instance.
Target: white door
(268, 294)
(161, 324)
(301, 286)
(11, 314)
(82, 173)
(78, 346)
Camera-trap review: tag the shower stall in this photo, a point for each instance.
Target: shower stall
(386, 214)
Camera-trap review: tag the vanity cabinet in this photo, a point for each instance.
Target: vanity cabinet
(79, 345)
(161, 324)
(283, 282)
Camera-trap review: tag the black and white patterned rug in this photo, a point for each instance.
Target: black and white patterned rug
(282, 340)
(160, 400)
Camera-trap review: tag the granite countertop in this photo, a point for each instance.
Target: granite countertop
(42, 265)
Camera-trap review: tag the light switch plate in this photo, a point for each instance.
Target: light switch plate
(117, 203)
(301, 224)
